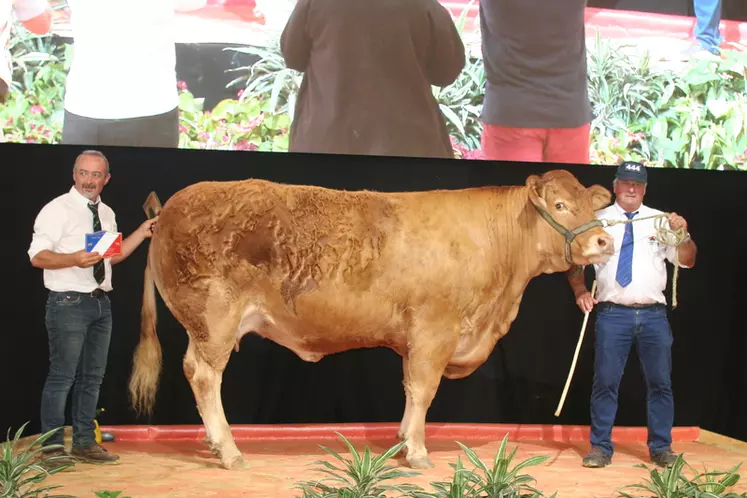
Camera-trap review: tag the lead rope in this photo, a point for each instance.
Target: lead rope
(665, 236)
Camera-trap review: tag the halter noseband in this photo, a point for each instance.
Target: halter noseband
(569, 235)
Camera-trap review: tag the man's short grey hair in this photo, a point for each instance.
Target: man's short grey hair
(91, 153)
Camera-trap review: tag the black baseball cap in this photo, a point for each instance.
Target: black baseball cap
(632, 170)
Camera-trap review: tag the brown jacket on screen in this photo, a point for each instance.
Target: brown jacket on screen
(368, 69)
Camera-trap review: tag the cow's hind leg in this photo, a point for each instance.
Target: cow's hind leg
(205, 378)
(425, 365)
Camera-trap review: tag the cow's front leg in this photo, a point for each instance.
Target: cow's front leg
(425, 366)
(408, 402)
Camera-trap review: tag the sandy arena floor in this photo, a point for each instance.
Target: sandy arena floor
(173, 468)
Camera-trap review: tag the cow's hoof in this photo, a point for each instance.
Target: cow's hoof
(212, 447)
(402, 452)
(236, 463)
(420, 463)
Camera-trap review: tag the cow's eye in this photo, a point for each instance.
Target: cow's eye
(559, 206)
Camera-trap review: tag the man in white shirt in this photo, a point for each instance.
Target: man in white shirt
(35, 15)
(632, 309)
(78, 311)
(122, 86)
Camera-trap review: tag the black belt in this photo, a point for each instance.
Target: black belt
(93, 293)
(632, 306)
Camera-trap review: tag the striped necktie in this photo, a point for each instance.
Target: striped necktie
(99, 270)
(625, 262)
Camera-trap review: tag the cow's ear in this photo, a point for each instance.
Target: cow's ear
(535, 187)
(600, 197)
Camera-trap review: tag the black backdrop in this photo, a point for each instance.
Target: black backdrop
(265, 383)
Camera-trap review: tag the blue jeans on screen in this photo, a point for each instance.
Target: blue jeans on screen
(617, 329)
(708, 17)
(79, 329)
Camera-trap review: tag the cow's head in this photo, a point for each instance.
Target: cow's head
(568, 208)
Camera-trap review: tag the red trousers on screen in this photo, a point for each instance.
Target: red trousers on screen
(553, 145)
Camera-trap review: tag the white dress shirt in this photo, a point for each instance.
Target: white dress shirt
(649, 260)
(24, 10)
(61, 226)
(124, 59)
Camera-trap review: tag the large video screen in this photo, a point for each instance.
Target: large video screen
(563, 83)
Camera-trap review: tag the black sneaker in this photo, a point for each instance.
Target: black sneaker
(596, 459)
(664, 459)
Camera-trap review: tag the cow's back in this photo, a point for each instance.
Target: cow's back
(280, 229)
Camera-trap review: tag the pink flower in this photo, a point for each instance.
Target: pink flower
(635, 137)
(256, 121)
(245, 145)
(183, 129)
(181, 85)
(37, 109)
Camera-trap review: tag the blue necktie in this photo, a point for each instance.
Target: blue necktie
(625, 263)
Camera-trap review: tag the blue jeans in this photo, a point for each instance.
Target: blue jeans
(79, 328)
(708, 15)
(617, 328)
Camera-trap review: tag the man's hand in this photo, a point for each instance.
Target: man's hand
(131, 243)
(586, 302)
(148, 227)
(84, 259)
(676, 222)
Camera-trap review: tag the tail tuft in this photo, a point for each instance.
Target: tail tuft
(146, 363)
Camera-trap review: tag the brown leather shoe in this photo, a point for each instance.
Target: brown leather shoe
(94, 453)
(58, 457)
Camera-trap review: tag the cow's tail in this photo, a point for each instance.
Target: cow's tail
(146, 363)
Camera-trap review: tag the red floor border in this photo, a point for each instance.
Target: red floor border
(613, 23)
(610, 23)
(378, 431)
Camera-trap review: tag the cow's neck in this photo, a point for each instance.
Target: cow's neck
(527, 247)
(521, 252)
(526, 242)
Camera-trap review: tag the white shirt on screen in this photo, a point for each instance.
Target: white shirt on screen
(649, 260)
(124, 59)
(61, 226)
(24, 10)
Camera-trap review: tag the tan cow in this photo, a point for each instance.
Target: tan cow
(435, 276)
